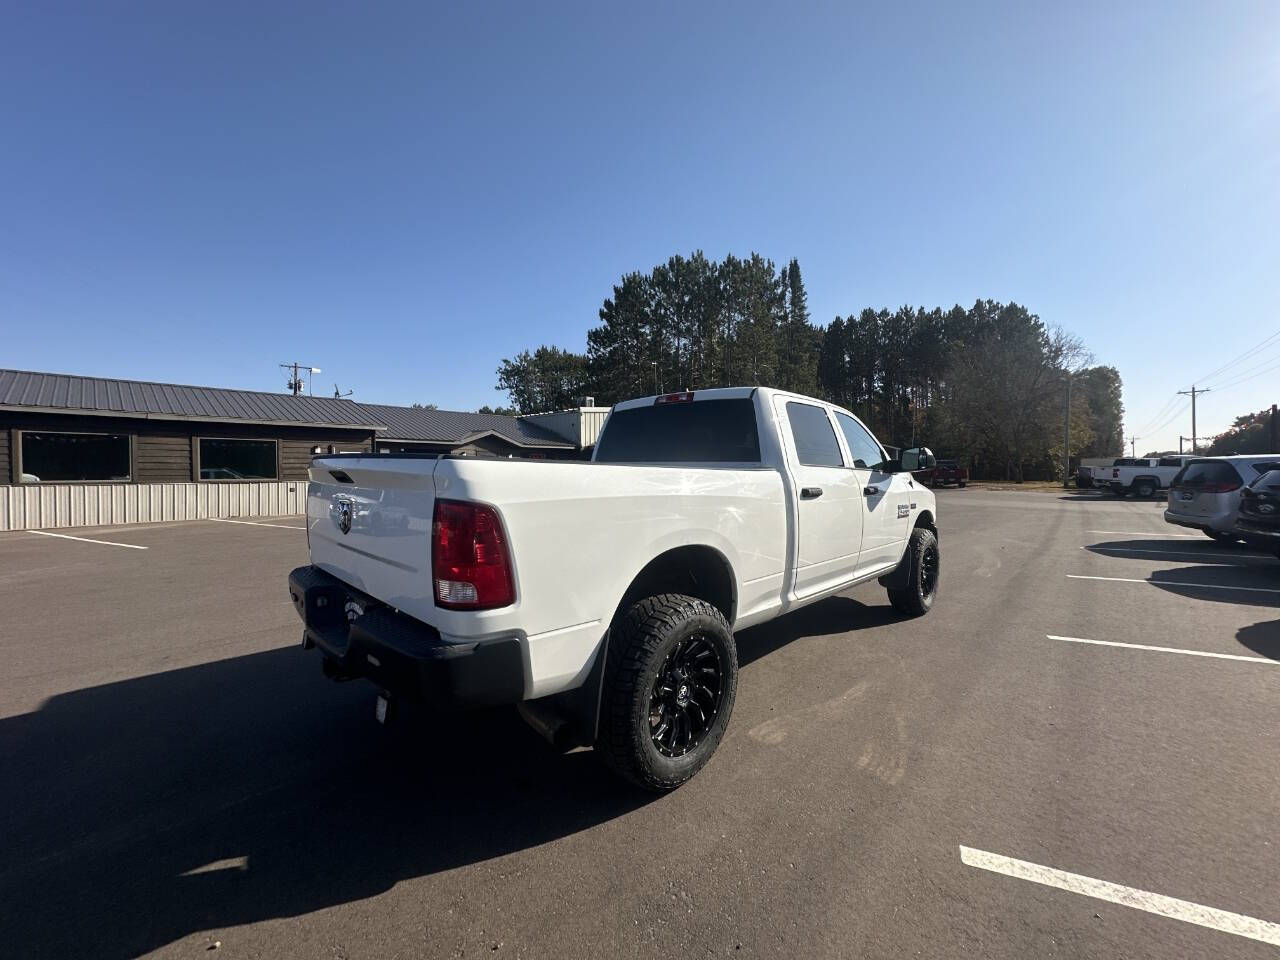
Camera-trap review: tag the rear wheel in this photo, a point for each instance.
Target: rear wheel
(669, 686)
(1144, 488)
(925, 566)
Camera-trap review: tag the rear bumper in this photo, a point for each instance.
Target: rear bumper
(360, 637)
(1257, 531)
(1219, 522)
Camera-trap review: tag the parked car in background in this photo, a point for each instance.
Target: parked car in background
(1146, 476)
(1205, 495)
(1090, 476)
(1258, 521)
(948, 472)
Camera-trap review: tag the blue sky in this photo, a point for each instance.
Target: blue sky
(403, 194)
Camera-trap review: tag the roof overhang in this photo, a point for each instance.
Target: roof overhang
(186, 418)
(481, 434)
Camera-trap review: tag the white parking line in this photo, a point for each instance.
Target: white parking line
(1176, 583)
(1221, 920)
(105, 543)
(255, 523)
(1148, 533)
(1177, 553)
(1190, 653)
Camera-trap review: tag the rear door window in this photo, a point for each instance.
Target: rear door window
(703, 431)
(815, 441)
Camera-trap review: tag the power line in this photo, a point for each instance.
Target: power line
(1208, 376)
(1241, 375)
(1172, 417)
(1251, 376)
(1160, 413)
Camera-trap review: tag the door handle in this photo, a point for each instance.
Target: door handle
(871, 491)
(810, 493)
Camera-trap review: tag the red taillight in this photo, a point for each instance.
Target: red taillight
(470, 562)
(1219, 487)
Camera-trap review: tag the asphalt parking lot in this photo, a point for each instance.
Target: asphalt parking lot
(175, 772)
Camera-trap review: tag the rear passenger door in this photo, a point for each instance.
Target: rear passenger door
(827, 499)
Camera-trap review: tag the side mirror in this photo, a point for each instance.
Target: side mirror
(917, 458)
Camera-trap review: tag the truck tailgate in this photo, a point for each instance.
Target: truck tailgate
(369, 524)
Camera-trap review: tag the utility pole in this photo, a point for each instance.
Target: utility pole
(1275, 430)
(1066, 437)
(295, 383)
(1133, 446)
(1192, 393)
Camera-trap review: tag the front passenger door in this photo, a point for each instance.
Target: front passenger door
(886, 497)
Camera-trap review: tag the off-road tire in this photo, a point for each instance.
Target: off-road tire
(639, 643)
(925, 565)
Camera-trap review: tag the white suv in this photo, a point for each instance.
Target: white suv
(1205, 495)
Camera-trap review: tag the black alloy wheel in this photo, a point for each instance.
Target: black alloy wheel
(929, 564)
(686, 696)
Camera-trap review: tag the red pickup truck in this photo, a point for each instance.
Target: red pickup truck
(944, 473)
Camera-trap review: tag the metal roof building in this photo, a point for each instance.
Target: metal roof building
(22, 390)
(418, 425)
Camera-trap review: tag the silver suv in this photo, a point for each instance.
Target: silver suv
(1205, 495)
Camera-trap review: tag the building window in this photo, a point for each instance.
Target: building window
(227, 459)
(74, 457)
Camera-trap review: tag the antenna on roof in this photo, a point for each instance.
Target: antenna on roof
(338, 394)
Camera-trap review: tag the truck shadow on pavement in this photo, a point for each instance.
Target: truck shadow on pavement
(1262, 638)
(143, 811)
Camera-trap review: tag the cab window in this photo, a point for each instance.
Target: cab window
(815, 441)
(863, 448)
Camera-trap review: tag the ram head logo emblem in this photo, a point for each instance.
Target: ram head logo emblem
(344, 516)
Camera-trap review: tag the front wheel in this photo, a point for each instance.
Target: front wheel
(670, 681)
(924, 566)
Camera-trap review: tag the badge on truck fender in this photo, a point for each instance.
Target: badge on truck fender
(903, 511)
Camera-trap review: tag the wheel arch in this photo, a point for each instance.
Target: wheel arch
(696, 570)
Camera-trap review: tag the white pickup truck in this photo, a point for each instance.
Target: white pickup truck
(1144, 477)
(602, 597)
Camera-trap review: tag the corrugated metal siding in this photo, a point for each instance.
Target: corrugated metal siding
(580, 427)
(593, 419)
(46, 505)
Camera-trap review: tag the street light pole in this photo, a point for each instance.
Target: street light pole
(1066, 437)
